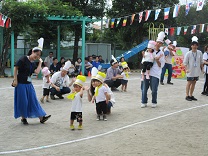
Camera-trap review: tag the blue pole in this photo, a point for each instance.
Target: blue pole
(83, 46)
(12, 53)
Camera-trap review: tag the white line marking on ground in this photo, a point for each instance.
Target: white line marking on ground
(103, 134)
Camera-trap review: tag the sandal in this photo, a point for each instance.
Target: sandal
(45, 118)
(24, 121)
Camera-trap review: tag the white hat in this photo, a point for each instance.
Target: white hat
(161, 37)
(194, 39)
(151, 44)
(114, 60)
(124, 65)
(80, 80)
(67, 66)
(100, 76)
(174, 43)
(94, 72)
(45, 71)
(40, 44)
(167, 41)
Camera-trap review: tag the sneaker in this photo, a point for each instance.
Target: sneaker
(98, 117)
(60, 96)
(170, 83)
(154, 105)
(104, 118)
(188, 98)
(193, 98)
(44, 119)
(143, 105)
(52, 97)
(204, 93)
(24, 121)
(72, 127)
(161, 83)
(41, 100)
(80, 127)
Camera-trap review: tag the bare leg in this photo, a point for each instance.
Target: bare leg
(188, 87)
(122, 87)
(125, 87)
(192, 87)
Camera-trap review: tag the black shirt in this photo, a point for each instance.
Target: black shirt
(25, 69)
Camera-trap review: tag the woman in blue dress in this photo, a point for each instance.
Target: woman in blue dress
(26, 104)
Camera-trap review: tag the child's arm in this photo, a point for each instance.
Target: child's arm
(72, 81)
(89, 96)
(107, 97)
(93, 99)
(81, 92)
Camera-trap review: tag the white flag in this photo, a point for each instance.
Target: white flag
(200, 5)
(157, 12)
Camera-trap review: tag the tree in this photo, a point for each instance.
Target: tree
(22, 15)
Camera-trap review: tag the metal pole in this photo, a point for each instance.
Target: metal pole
(83, 46)
(12, 53)
(58, 44)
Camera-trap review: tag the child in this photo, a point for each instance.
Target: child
(125, 75)
(46, 84)
(76, 97)
(148, 58)
(101, 96)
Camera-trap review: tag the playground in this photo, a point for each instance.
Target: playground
(174, 127)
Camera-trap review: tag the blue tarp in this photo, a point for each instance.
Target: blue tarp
(129, 53)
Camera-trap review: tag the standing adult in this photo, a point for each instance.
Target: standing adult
(60, 82)
(193, 63)
(113, 75)
(169, 53)
(26, 104)
(49, 60)
(205, 59)
(155, 73)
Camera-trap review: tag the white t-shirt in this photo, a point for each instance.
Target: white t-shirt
(48, 60)
(148, 57)
(58, 80)
(45, 84)
(168, 58)
(77, 103)
(205, 58)
(155, 71)
(101, 94)
(124, 76)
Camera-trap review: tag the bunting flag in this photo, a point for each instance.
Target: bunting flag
(178, 30)
(166, 13)
(107, 23)
(188, 7)
(201, 28)
(157, 12)
(3, 19)
(124, 21)
(132, 19)
(185, 30)
(112, 22)
(200, 5)
(8, 23)
(147, 14)
(140, 16)
(118, 21)
(172, 30)
(193, 30)
(176, 11)
(166, 31)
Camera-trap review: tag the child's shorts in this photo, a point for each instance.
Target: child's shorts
(76, 115)
(46, 91)
(123, 82)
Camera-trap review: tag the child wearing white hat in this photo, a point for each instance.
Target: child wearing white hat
(100, 96)
(76, 97)
(125, 75)
(46, 84)
(148, 59)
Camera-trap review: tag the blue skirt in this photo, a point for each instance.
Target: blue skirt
(26, 103)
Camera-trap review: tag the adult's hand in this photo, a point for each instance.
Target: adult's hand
(57, 88)
(14, 83)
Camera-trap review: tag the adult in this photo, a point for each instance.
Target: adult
(26, 104)
(88, 66)
(60, 82)
(78, 65)
(113, 75)
(96, 62)
(193, 63)
(54, 67)
(61, 62)
(48, 60)
(205, 59)
(101, 59)
(169, 53)
(90, 59)
(155, 73)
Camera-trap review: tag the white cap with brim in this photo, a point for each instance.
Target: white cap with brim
(151, 44)
(45, 71)
(100, 76)
(80, 80)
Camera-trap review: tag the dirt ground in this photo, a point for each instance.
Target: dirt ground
(176, 127)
